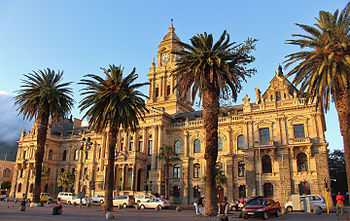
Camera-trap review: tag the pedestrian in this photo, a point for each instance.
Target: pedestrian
(223, 210)
(340, 204)
(200, 205)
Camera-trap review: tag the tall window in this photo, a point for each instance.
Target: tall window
(266, 164)
(76, 154)
(242, 191)
(25, 155)
(196, 192)
(278, 96)
(50, 154)
(241, 169)
(31, 187)
(122, 147)
(141, 146)
(177, 171)
(64, 156)
(168, 90)
(177, 147)
(157, 92)
(196, 170)
(131, 146)
(150, 147)
(264, 134)
(219, 144)
(299, 131)
(197, 146)
(268, 190)
(302, 162)
(240, 142)
(304, 188)
(19, 188)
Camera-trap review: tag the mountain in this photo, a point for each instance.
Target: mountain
(9, 148)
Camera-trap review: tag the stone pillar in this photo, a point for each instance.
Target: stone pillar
(251, 173)
(246, 135)
(160, 143)
(229, 140)
(123, 177)
(251, 133)
(186, 144)
(284, 136)
(154, 148)
(144, 137)
(230, 179)
(278, 130)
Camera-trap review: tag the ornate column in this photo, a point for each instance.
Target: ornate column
(186, 144)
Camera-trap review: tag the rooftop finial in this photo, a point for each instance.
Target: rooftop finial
(280, 72)
(153, 63)
(171, 29)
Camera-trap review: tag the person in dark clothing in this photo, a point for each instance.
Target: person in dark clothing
(57, 210)
(223, 210)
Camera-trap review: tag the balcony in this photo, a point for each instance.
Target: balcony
(268, 143)
(300, 140)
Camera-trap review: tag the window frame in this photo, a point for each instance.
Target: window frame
(196, 170)
(177, 171)
(196, 146)
(266, 164)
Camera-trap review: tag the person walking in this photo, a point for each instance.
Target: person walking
(340, 204)
(223, 210)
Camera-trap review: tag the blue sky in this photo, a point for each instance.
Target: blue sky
(80, 36)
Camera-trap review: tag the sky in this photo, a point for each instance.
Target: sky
(81, 36)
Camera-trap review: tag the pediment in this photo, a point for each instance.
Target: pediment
(299, 118)
(264, 122)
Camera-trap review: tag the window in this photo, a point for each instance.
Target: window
(168, 90)
(150, 144)
(266, 164)
(31, 188)
(21, 173)
(50, 154)
(240, 142)
(64, 156)
(241, 169)
(302, 162)
(19, 188)
(220, 166)
(131, 146)
(197, 146)
(304, 188)
(7, 172)
(278, 96)
(177, 147)
(141, 146)
(264, 134)
(177, 171)
(219, 144)
(76, 154)
(196, 170)
(268, 190)
(122, 147)
(157, 92)
(299, 131)
(242, 191)
(196, 192)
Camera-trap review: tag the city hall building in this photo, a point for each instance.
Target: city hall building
(272, 145)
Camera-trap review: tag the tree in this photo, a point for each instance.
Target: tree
(337, 171)
(45, 172)
(6, 185)
(111, 103)
(65, 179)
(212, 70)
(169, 156)
(42, 95)
(220, 178)
(323, 69)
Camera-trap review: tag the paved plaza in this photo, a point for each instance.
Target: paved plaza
(9, 212)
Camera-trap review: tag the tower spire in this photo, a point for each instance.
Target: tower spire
(171, 29)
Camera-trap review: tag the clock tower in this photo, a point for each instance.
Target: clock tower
(162, 92)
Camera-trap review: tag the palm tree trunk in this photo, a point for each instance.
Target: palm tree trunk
(342, 102)
(166, 178)
(109, 185)
(42, 122)
(210, 117)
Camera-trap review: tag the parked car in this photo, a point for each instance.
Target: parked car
(65, 196)
(43, 197)
(97, 199)
(315, 201)
(154, 203)
(143, 198)
(124, 201)
(76, 200)
(261, 207)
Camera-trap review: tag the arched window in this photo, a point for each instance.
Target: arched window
(64, 156)
(268, 190)
(266, 164)
(76, 154)
(302, 162)
(196, 170)
(177, 147)
(241, 169)
(31, 188)
(240, 142)
(19, 188)
(219, 144)
(177, 171)
(197, 146)
(304, 188)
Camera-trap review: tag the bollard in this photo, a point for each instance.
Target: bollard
(178, 209)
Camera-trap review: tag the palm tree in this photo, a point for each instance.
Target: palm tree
(42, 95)
(111, 103)
(212, 70)
(65, 179)
(323, 69)
(169, 156)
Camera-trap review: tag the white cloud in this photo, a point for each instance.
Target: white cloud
(11, 125)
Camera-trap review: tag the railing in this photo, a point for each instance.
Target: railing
(268, 143)
(194, 123)
(299, 140)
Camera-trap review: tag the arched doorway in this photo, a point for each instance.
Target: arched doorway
(140, 180)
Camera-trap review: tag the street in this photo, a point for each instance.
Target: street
(9, 212)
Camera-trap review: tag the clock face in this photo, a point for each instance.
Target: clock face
(165, 57)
